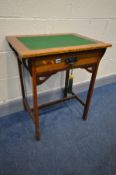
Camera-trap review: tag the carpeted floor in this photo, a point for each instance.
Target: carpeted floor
(68, 145)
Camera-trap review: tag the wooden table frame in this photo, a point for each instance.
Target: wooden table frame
(89, 57)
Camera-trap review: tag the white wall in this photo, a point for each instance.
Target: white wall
(93, 18)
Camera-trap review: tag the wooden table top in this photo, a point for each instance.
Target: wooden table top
(38, 45)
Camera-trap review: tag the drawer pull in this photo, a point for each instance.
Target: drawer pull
(71, 60)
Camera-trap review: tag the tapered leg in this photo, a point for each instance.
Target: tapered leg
(22, 83)
(90, 91)
(66, 83)
(35, 105)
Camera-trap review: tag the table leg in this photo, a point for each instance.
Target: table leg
(90, 91)
(21, 81)
(35, 105)
(66, 82)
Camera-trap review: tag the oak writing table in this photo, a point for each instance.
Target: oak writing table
(45, 55)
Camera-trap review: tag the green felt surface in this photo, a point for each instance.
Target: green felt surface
(43, 42)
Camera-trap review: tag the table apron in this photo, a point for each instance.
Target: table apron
(49, 64)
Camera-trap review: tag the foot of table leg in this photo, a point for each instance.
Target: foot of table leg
(90, 92)
(37, 134)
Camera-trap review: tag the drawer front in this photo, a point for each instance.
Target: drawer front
(65, 61)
